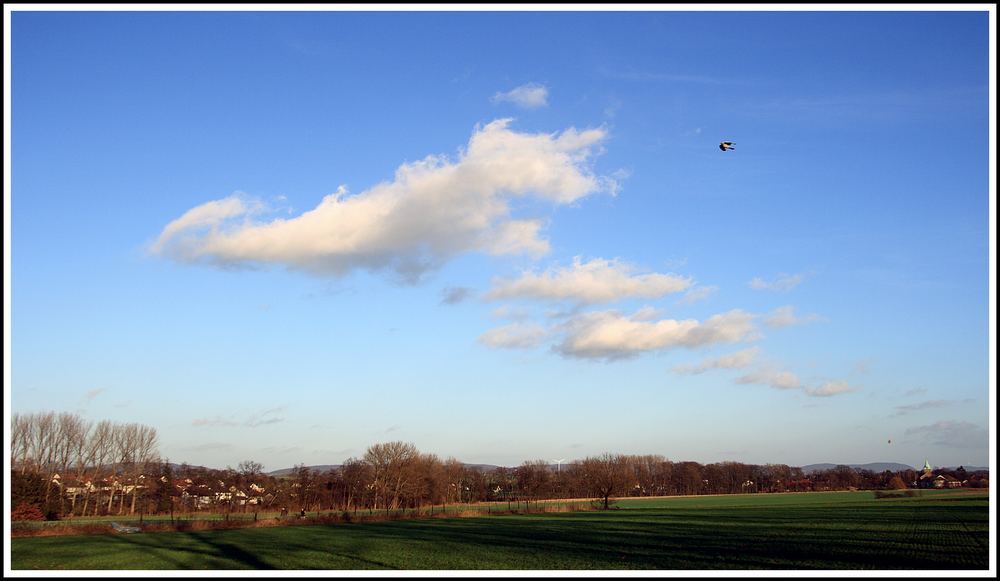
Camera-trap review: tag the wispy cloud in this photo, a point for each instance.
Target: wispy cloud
(455, 294)
(830, 388)
(515, 335)
(772, 377)
(658, 76)
(951, 433)
(777, 378)
(264, 418)
(737, 360)
(527, 96)
(596, 281)
(915, 391)
(786, 317)
(431, 211)
(697, 294)
(92, 394)
(782, 282)
(902, 410)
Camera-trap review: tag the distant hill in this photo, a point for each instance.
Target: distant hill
(318, 469)
(873, 466)
(324, 468)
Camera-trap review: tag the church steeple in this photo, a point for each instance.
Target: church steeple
(927, 466)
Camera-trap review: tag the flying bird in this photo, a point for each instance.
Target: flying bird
(726, 145)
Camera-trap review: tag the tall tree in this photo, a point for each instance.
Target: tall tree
(606, 475)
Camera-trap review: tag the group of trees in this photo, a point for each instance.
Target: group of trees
(64, 465)
(49, 449)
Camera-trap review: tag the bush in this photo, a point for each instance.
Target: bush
(25, 512)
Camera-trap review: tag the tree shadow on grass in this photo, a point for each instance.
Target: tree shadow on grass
(211, 552)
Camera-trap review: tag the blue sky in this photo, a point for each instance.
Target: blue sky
(506, 236)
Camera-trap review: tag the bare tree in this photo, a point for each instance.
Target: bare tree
(357, 475)
(606, 475)
(144, 454)
(99, 447)
(390, 463)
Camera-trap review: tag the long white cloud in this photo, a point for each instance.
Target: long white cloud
(432, 210)
(612, 335)
(596, 281)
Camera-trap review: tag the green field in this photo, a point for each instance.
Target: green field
(837, 530)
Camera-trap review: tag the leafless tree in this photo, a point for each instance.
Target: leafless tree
(391, 470)
(357, 475)
(607, 475)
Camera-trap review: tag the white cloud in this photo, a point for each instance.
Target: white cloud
(737, 360)
(783, 282)
(785, 317)
(515, 335)
(596, 281)
(528, 96)
(830, 388)
(955, 434)
(432, 210)
(775, 378)
(611, 335)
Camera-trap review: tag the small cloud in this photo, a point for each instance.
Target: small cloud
(928, 405)
(264, 418)
(527, 96)
(863, 367)
(92, 394)
(514, 335)
(697, 294)
(915, 391)
(783, 282)
(511, 312)
(771, 377)
(455, 295)
(216, 422)
(785, 317)
(830, 388)
(391, 429)
(737, 360)
(953, 434)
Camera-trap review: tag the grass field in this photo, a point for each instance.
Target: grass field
(837, 530)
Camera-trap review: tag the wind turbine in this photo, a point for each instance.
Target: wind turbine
(559, 464)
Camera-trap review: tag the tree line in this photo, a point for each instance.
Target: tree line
(65, 466)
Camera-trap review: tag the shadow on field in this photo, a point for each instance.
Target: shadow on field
(681, 540)
(206, 549)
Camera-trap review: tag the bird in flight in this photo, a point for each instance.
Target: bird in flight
(726, 145)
